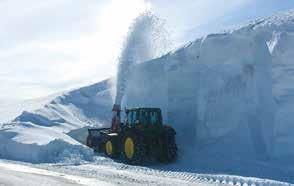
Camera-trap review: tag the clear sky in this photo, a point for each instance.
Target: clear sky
(53, 45)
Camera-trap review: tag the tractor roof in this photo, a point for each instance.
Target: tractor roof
(143, 108)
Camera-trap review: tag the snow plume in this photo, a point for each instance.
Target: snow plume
(147, 39)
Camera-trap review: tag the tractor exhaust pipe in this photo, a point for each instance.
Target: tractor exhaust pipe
(115, 123)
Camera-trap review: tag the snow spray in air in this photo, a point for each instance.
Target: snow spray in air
(146, 40)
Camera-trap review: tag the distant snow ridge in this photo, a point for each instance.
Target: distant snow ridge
(75, 109)
(146, 40)
(10, 110)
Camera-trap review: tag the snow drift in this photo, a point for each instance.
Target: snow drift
(55, 151)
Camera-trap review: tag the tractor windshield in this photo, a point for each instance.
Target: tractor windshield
(132, 118)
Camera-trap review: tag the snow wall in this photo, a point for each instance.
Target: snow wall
(283, 91)
(227, 95)
(223, 99)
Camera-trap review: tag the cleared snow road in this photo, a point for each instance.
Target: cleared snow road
(10, 177)
(12, 173)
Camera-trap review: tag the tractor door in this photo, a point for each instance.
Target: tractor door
(132, 118)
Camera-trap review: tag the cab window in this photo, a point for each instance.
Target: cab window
(144, 117)
(136, 117)
(154, 117)
(132, 117)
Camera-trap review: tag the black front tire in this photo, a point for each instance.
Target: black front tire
(111, 144)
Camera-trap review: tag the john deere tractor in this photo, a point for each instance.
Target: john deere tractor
(141, 135)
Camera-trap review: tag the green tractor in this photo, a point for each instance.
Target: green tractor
(141, 135)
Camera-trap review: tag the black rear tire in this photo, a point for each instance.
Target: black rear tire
(168, 147)
(139, 150)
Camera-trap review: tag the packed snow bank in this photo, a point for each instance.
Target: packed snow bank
(53, 131)
(33, 143)
(22, 145)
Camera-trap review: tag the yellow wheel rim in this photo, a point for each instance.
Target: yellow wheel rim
(108, 147)
(129, 148)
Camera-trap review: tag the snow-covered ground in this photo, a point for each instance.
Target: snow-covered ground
(229, 96)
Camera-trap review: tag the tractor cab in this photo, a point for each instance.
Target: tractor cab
(143, 117)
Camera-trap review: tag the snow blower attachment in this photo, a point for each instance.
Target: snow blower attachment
(115, 118)
(141, 135)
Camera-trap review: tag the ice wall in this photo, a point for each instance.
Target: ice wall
(229, 94)
(278, 32)
(281, 46)
(215, 91)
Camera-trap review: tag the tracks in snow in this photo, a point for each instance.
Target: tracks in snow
(105, 169)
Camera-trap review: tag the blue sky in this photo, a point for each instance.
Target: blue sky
(52, 45)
